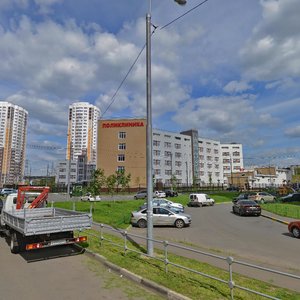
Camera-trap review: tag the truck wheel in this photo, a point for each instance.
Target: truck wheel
(14, 245)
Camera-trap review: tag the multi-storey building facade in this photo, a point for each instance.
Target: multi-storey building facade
(183, 157)
(122, 146)
(172, 157)
(82, 131)
(210, 162)
(13, 131)
(232, 157)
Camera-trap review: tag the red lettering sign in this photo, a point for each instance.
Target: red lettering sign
(123, 124)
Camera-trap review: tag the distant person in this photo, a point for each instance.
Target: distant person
(71, 194)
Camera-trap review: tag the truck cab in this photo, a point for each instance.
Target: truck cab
(10, 202)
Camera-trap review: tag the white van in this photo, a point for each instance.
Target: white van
(200, 200)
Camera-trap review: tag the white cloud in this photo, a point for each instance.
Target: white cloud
(217, 114)
(274, 49)
(237, 87)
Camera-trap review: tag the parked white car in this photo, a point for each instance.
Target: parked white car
(88, 197)
(200, 200)
(159, 194)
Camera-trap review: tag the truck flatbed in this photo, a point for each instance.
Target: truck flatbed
(46, 220)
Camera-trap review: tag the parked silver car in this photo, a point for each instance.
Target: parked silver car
(166, 203)
(141, 194)
(161, 216)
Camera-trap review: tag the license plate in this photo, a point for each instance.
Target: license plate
(58, 242)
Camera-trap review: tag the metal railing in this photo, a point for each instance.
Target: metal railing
(165, 246)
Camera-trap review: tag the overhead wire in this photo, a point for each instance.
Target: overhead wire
(112, 100)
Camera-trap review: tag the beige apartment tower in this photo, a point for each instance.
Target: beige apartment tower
(122, 146)
(13, 131)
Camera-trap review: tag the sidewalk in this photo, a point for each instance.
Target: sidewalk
(274, 217)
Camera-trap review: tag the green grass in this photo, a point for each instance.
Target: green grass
(184, 282)
(113, 213)
(290, 210)
(117, 214)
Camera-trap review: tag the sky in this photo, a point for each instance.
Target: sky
(230, 69)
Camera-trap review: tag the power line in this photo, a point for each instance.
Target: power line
(112, 100)
(184, 14)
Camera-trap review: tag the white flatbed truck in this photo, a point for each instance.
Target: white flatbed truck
(32, 227)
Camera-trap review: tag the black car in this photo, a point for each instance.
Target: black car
(295, 197)
(242, 196)
(171, 193)
(246, 207)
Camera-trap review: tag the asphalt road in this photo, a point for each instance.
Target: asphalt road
(257, 240)
(62, 273)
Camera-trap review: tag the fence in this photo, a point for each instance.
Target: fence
(165, 246)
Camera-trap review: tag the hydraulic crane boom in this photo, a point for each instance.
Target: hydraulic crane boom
(37, 202)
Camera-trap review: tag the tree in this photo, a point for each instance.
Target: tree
(122, 179)
(110, 183)
(173, 181)
(98, 181)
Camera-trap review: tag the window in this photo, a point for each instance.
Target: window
(122, 135)
(156, 143)
(225, 154)
(168, 172)
(122, 146)
(168, 154)
(167, 145)
(178, 172)
(157, 171)
(236, 153)
(178, 163)
(177, 146)
(168, 162)
(156, 162)
(177, 155)
(121, 157)
(156, 152)
(121, 169)
(201, 149)
(226, 161)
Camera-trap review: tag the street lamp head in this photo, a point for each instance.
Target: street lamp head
(180, 2)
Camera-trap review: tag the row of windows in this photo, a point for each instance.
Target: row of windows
(236, 153)
(168, 172)
(166, 144)
(235, 160)
(157, 162)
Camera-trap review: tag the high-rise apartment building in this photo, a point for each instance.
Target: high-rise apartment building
(82, 131)
(13, 130)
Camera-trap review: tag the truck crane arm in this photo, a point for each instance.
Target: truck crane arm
(37, 201)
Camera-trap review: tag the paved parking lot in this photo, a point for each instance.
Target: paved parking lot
(257, 239)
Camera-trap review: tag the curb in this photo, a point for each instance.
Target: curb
(275, 219)
(169, 294)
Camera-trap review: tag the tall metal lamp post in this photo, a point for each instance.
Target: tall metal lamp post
(149, 131)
